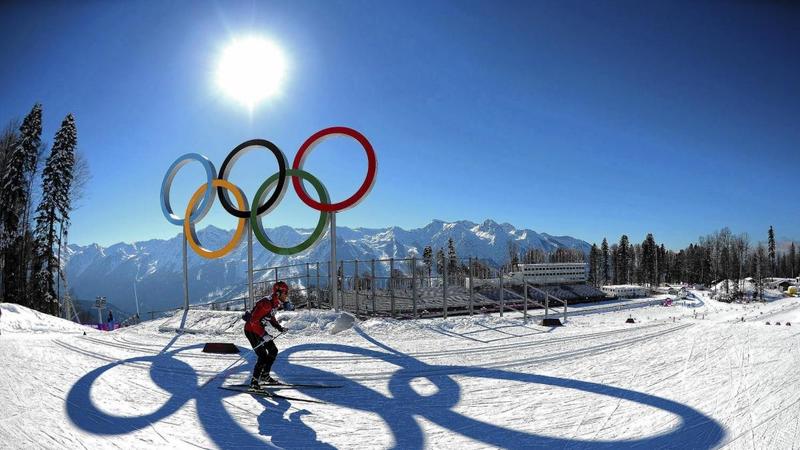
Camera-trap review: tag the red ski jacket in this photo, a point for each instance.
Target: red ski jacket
(263, 311)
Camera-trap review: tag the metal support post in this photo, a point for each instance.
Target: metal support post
(356, 283)
(525, 313)
(471, 286)
(250, 295)
(502, 297)
(444, 289)
(546, 304)
(414, 286)
(391, 285)
(330, 282)
(334, 273)
(185, 275)
(372, 288)
(308, 286)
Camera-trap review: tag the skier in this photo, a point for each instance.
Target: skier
(110, 321)
(263, 343)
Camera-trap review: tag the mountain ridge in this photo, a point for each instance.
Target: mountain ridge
(152, 270)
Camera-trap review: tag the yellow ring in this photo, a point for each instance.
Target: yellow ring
(188, 228)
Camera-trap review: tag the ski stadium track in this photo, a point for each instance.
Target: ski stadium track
(430, 354)
(511, 363)
(782, 310)
(637, 335)
(139, 348)
(115, 360)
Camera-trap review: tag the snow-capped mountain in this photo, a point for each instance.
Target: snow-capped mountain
(152, 270)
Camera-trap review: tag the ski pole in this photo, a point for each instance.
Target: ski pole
(239, 359)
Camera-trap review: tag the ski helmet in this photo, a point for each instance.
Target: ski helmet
(280, 286)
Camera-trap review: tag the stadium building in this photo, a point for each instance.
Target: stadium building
(552, 273)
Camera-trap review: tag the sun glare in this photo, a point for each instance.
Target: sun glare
(251, 70)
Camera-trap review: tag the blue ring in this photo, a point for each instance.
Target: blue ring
(208, 198)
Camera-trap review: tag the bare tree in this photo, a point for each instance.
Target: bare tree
(80, 177)
(513, 255)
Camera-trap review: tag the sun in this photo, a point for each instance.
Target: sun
(251, 70)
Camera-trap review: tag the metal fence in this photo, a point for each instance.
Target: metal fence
(397, 287)
(412, 287)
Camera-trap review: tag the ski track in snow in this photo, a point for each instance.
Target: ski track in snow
(481, 382)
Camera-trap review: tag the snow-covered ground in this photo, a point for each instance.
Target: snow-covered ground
(693, 375)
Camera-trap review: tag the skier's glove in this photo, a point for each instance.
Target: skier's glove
(281, 329)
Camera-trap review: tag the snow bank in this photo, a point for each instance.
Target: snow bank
(747, 286)
(312, 322)
(18, 318)
(455, 324)
(200, 322)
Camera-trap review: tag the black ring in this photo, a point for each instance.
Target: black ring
(231, 159)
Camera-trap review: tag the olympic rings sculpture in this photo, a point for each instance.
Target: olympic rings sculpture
(203, 198)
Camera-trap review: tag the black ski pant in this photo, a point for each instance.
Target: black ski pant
(266, 354)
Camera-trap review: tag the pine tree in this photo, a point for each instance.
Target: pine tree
(793, 260)
(771, 250)
(18, 169)
(427, 258)
(680, 270)
(725, 266)
(8, 142)
(623, 262)
(784, 265)
(594, 263)
(613, 253)
(606, 267)
(648, 262)
(52, 218)
(452, 257)
(637, 256)
(759, 276)
(734, 271)
(440, 261)
(705, 268)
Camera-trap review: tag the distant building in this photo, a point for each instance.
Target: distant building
(625, 290)
(552, 273)
(780, 283)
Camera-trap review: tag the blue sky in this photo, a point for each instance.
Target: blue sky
(587, 119)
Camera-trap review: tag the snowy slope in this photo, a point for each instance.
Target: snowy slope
(690, 376)
(19, 319)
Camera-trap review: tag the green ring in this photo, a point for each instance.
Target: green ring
(255, 219)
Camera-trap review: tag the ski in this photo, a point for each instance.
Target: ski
(269, 394)
(282, 385)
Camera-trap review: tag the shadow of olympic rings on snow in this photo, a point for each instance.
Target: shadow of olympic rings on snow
(179, 380)
(218, 418)
(695, 430)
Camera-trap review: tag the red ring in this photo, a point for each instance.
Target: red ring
(372, 168)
